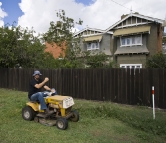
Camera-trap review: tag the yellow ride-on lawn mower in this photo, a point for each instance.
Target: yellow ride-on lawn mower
(60, 110)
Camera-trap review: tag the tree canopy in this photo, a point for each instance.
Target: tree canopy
(157, 61)
(20, 46)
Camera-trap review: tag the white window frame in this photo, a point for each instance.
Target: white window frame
(129, 40)
(93, 46)
(131, 66)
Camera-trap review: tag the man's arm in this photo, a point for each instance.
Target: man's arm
(47, 88)
(42, 83)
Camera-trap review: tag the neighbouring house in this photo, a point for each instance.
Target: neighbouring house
(95, 41)
(135, 38)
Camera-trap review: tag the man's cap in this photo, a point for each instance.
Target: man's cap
(36, 72)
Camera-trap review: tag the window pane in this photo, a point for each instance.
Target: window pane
(138, 39)
(93, 45)
(89, 46)
(133, 40)
(138, 20)
(97, 45)
(123, 41)
(128, 41)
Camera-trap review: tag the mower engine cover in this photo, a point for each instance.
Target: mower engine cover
(68, 102)
(64, 101)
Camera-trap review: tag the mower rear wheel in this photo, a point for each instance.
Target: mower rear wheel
(62, 123)
(28, 113)
(75, 117)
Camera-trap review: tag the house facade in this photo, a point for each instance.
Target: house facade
(135, 37)
(95, 40)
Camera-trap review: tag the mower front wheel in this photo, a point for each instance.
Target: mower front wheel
(75, 117)
(62, 123)
(28, 113)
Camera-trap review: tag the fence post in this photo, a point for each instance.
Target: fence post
(153, 102)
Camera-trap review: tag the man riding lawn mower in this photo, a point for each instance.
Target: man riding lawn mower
(56, 109)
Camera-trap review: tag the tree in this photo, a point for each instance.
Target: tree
(164, 40)
(156, 61)
(61, 34)
(97, 60)
(7, 47)
(20, 46)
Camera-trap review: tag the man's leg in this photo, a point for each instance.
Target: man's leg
(39, 96)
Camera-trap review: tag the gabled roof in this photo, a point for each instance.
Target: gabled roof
(135, 15)
(94, 31)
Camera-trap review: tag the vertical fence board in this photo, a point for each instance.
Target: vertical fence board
(164, 91)
(156, 86)
(123, 86)
(111, 79)
(128, 86)
(144, 87)
(132, 95)
(148, 88)
(105, 85)
(115, 85)
(136, 86)
(119, 88)
(161, 91)
(89, 83)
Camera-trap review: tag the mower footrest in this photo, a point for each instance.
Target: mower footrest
(44, 115)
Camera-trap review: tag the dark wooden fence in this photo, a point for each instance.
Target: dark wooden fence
(126, 86)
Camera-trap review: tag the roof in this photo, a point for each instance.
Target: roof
(96, 32)
(131, 50)
(132, 30)
(136, 15)
(91, 29)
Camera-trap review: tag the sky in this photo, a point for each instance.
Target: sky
(99, 14)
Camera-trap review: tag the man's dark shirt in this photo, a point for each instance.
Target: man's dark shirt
(32, 88)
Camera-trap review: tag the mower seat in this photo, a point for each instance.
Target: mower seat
(33, 101)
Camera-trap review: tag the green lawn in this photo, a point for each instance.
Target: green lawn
(100, 122)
